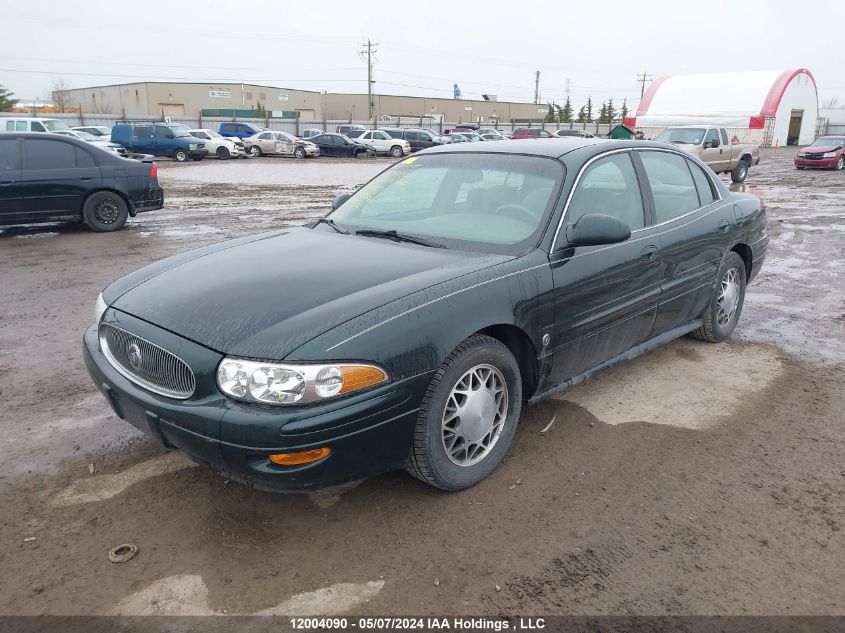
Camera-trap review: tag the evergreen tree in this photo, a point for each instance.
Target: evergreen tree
(6, 99)
(259, 108)
(603, 113)
(589, 110)
(623, 114)
(611, 111)
(550, 115)
(566, 112)
(560, 117)
(582, 115)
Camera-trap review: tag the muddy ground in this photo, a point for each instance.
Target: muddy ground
(698, 479)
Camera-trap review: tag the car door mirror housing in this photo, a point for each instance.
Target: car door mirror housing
(340, 200)
(593, 229)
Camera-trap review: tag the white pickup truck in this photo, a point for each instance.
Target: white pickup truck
(712, 145)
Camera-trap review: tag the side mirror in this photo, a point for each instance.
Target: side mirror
(170, 135)
(340, 200)
(593, 229)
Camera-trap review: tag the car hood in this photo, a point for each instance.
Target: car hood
(265, 296)
(820, 149)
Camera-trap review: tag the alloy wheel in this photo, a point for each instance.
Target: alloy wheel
(474, 416)
(728, 300)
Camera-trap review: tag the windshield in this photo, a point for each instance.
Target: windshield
(212, 134)
(492, 203)
(688, 135)
(286, 137)
(827, 141)
(52, 125)
(180, 130)
(85, 136)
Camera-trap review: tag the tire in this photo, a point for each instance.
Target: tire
(180, 155)
(396, 151)
(840, 164)
(479, 360)
(299, 152)
(255, 151)
(105, 211)
(223, 153)
(715, 328)
(740, 171)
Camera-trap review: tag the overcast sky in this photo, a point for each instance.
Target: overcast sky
(423, 47)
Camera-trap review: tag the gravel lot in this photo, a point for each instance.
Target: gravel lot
(697, 479)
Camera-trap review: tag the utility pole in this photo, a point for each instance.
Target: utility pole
(642, 80)
(537, 87)
(367, 55)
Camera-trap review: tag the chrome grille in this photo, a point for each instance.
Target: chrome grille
(146, 364)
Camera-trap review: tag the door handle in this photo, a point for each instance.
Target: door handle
(648, 254)
(723, 227)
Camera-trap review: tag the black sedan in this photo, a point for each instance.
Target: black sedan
(409, 327)
(50, 178)
(341, 145)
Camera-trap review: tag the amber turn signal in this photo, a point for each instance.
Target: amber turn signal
(300, 457)
(359, 376)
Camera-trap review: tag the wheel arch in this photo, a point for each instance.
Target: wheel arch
(744, 251)
(130, 207)
(747, 157)
(523, 350)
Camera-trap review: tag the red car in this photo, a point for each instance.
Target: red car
(531, 132)
(827, 152)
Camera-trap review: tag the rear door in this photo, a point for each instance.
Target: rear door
(10, 179)
(605, 296)
(692, 223)
(143, 138)
(56, 176)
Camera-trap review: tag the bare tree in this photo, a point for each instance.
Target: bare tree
(832, 102)
(60, 96)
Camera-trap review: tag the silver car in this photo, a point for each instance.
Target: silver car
(280, 143)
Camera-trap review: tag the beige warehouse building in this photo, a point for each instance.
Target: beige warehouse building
(187, 99)
(180, 99)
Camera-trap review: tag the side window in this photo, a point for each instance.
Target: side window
(144, 131)
(380, 136)
(609, 186)
(671, 184)
(711, 136)
(702, 183)
(84, 159)
(226, 128)
(8, 154)
(37, 127)
(20, 126)
(48, 154)
(724, 133)
(412, 136)
(163, 131)
(266, 136)
(10, 126)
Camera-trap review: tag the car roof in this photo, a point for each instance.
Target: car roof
(554, 147)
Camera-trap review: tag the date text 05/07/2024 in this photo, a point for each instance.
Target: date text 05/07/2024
(457, 623)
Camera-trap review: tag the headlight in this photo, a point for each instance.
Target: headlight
(276, 383)
(99, 308)
(829, 155)
(193, 145)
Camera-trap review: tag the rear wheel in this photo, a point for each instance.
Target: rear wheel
(726, 303)
(468, 415)
(299, 152)
(223, 153)
(740, 171)
(180, 155)
(105, 211)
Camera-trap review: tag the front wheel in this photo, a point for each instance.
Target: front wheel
(396, 151)
(740, 171)
(180, 155)
(255, 151)
(468, 415)
(299, 152)
(726, 302)
(840, 164)
(223, 153)
(105, 211)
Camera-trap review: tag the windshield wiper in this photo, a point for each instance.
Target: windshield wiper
(332, 224)
(399, 237)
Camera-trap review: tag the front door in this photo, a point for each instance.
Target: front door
(55, 177)
(10, 180)
(713, 153)
(605, 296)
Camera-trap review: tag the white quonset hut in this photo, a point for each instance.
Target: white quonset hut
(766, 106)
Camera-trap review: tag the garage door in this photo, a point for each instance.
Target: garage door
(172, 109)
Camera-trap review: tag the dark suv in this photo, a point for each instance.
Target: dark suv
(417, 138)
(239, 130)
(51, 178)
(159, 139)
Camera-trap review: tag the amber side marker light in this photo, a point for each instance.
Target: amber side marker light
(301, 457)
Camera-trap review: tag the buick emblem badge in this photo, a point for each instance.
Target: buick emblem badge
(134, 355)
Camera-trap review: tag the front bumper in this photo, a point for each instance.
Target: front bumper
(369, 433)
(198, 153)
(816, 163)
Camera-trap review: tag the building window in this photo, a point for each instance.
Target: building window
(249, 96)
